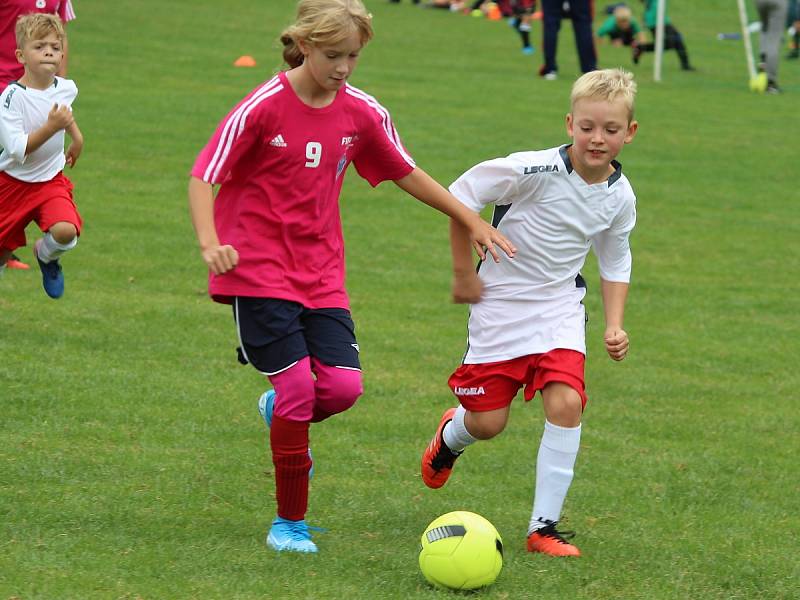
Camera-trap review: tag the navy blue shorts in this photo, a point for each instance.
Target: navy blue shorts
(274, 334)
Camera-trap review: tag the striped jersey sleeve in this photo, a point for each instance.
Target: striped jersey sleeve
(381, 156)
(66, 11)
(233, 136)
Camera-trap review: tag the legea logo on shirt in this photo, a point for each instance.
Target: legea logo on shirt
(534, 169)
(469, 391)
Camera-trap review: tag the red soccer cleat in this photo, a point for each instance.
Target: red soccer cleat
(438, 459)
(549, 541)
(15, 263)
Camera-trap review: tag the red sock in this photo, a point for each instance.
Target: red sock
(289, 441)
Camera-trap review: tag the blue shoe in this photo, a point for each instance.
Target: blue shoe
(528, 50)
(266, 406)
(52, 277)
(290, 536)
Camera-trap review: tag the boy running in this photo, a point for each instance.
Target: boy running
(526, 326)
(34, 114)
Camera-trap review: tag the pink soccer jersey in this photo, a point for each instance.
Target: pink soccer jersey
(10, 11)
(281, 164)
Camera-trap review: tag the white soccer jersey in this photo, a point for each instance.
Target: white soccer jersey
(23, 110)
(532, 304)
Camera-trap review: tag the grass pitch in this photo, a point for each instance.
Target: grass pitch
(133, 463)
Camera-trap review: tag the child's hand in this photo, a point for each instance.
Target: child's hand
(73, 152)
(60, 117)
(221, 259)
(467, 288)
(484, 235)
(616, 343)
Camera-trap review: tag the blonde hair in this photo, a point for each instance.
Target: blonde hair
(37, 26)
(325, 23)
(622, 13)
(608, 85)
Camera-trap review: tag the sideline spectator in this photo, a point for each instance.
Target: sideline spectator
(793, 23)
(521, 21)
(581, 12)
(673, 40)
(772, 14)
(621, 28)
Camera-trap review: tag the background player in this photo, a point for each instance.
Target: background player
(34, 114)
(10, 68)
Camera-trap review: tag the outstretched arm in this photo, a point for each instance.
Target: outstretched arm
(482, 235)
(616, 338)
(467, 286)
(219, 259)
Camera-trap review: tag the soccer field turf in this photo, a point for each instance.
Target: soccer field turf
(133, 462)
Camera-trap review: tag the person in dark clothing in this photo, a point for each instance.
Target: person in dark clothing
(581, 12)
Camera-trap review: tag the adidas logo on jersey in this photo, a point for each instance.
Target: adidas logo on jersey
(278, 142)
(469, 391)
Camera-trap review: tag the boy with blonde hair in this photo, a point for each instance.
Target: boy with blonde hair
(526, 322)
(622, 28)
(34, 114)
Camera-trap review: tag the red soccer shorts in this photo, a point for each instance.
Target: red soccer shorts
(489, 386)
(46, 202)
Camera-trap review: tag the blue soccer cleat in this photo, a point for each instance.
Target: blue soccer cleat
(266, 406)
(52, 277)
(290, 536)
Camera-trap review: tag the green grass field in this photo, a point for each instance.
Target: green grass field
(133, 463)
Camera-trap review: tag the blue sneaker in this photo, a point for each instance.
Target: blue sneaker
(290, 536)
(527, 50)
(52, 277)
(266, 406)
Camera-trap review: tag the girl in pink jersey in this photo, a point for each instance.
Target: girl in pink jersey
(272, 236)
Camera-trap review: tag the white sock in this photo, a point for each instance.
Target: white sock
(2, 269)
(554, 468)
(455, 433)
(49, 249)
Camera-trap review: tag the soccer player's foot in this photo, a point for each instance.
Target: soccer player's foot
(773, 88)
(290, 536)
(793, 54)
(637, 54)
(52, 277)
(438, 459)
(548, 540)
(266, 406)
(547, 74)
(15, 263)
(527, 50)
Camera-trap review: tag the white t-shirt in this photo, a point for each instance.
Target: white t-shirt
(23, 110)
(532, 304)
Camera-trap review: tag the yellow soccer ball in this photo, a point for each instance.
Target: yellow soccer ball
(461, 551)
(759, 83)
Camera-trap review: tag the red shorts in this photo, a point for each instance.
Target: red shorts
(489, 386)
(46, 202)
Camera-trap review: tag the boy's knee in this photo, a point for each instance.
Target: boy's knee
(63, 232)
(485, 426)
(563, 404)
